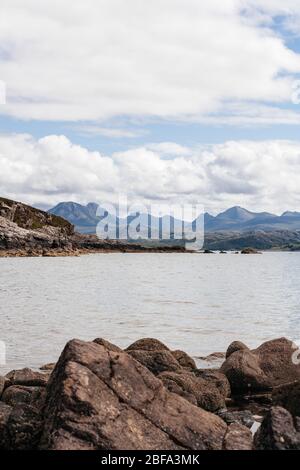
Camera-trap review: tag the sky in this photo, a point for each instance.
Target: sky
(172, 101)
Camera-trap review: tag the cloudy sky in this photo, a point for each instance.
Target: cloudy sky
(165, 100)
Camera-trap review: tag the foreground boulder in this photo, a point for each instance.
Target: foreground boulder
(236, 346)
(5, 411)
(277, 431)
(177, 383)
(148, 344)
(47, 367)
(17, 394)
(101, 399)
(27, 377)
(244, 417)
(238, 437)
(216, 378)
(107, 345)
(195, 389)
(156, 361)
(22, 428)
(2, 384)
(288, 396)
(244, 373)
(276, 359)
(263, 368)
(184, 359)
(157, 357)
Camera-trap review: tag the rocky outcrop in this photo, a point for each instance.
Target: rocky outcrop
(16, 239)
(156, 361)
(217, 378)
(17, 394)
(276, 359)
(250, 251)
(32, 219)
(236, 346)
(48, 367)
(24, 386)
(107, 344)
(197, 390)
(27, 377)
(24, 229)
(263, 368)
(2, 384)
(244, 373)
(98, 398)
(288, 396)
(22, 429)
(5, 411)
(158, 358)
(243, 417)
(179, 373)
(147, 344)
(238, 437)
(184, 359)
(277, 431)
(177, 383)
(21, 409)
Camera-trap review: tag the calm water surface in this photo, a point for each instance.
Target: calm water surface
(199, 303)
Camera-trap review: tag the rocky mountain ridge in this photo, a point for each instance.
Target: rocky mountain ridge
(235, 219)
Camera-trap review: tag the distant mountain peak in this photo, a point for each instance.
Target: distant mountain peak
(92, 205)
(291, 214)
(234, 219)
(237, 213)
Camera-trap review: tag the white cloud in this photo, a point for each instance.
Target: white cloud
(96, 59)
(169, 149)
(275, 7)
(256, 175)
(255, 114)
(110, 132)
(52, 168)
(288, 11)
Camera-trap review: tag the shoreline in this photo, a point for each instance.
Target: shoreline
(53, 253)
(61, 253)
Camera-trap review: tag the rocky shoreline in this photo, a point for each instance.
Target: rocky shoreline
(98, 396)
(26, 231)
(77, 250)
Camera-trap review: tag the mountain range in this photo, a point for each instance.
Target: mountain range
(28, 231)
(235, 219)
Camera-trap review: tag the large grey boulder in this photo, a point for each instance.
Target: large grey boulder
(238, 437)
(268, 366)
(101, 399)
(148, 344)
(288, 396)
(195, 389)
(28, 377)
(277, 431)
(156, 361)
